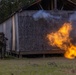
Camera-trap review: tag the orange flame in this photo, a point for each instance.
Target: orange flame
(61, 39)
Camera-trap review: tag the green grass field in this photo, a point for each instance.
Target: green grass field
(38, 66)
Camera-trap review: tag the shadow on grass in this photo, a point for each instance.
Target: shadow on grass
(9, 57)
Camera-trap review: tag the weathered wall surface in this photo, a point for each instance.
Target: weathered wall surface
(5, 27)
(32, 33)
(9, 28)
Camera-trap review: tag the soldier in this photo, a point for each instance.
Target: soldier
(2, 45)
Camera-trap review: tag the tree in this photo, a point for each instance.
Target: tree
(7, 7)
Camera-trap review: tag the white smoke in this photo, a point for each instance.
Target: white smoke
(41, 14)
(72, 17)
(44, 15)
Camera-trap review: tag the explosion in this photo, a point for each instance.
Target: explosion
(62, 39)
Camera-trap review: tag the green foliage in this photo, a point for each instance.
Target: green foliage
(7, 7)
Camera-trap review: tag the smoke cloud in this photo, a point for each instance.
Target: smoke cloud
(44, 15)
(72, 17)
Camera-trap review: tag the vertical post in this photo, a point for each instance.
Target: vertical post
(43, 55)
(55, 4)
(52, 4)
(13, 28)
(4, 28)
(17, 33)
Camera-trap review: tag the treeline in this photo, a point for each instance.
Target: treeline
(7, 7)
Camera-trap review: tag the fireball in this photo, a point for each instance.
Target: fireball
(62, 40)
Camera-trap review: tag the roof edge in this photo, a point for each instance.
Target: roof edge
(20, 10)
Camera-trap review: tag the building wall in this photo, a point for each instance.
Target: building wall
(6, 28)
(24, 33)
(32, 33)
(9, 29)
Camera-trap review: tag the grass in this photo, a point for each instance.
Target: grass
(38, 66)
